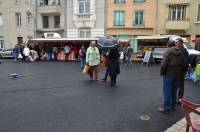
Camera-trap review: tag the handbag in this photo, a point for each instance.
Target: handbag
(20, 56)
(85, 70)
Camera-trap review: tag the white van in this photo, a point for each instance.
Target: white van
(51, 35)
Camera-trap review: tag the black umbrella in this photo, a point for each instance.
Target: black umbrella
(107, 42)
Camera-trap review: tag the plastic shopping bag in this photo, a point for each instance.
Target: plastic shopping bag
(20, 56)
(85, 70)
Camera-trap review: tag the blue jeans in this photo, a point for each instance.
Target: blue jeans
(170, 85)
(82, 62)
(49, 57)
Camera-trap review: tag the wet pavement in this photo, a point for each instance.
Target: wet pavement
(57, 97)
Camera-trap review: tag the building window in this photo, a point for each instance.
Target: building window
(17, 2)
(139, 18)
(1, 43)
(58, 2)
(84, 6)
(49, 2)
(119, 18)
(45, 21)
(198, 13)
(85, 33)
(56, 21)
(177, 12)
(119, 1)
(28, 1)
(44, 2)
(29, 19)
(18, 19)
(1, 20)
(138, 1)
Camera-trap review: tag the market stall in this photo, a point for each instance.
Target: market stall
(59, 49)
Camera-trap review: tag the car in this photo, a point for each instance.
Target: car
(6, 53)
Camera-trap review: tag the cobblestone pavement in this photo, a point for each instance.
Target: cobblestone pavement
(180, 126)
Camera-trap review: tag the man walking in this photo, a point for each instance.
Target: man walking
(171, 67)
(179, 41)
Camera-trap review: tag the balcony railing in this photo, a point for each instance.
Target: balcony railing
(178, 24)
(119, 23)
(84, 17)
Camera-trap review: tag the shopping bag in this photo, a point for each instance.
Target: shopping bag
(85, 70)
(20, 56)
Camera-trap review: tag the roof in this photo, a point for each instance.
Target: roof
(62, 39)
(153, 37)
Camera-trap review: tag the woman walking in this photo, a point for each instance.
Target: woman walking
(93, 60)
(82, 54)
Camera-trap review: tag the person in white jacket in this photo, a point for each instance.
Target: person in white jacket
(26, 53)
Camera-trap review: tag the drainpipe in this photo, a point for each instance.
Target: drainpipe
(105, 18)
(156, 21)
(35, 18)
(65, 18)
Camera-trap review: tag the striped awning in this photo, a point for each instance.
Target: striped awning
(196, 40)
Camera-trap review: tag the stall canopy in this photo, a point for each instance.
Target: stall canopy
(63, 40)
(124, 38)
(196, 40)
(153, 37)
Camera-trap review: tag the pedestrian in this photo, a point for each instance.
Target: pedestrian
(67, 51)
(171, 67)
(82, 56)
(121, 58)
(93, 60)
(184, 70)
(15, 52)
(128, 54)
(105, 63)
(22, 46)
(26, 53)
(113, 65)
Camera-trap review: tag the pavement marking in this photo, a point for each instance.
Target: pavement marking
(145, 117)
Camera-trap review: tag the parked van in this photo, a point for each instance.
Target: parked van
(51, 35)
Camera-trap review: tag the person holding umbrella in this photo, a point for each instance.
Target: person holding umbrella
(111, 44)
(113, 66)
(93, 60)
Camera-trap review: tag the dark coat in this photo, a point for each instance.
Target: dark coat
(173, 62)
(186, 57)
(113, 66)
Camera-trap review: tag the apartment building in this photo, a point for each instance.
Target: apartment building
(129, 18)
(50, 17)
(181, 17)
(85, 18)
(16, 21)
